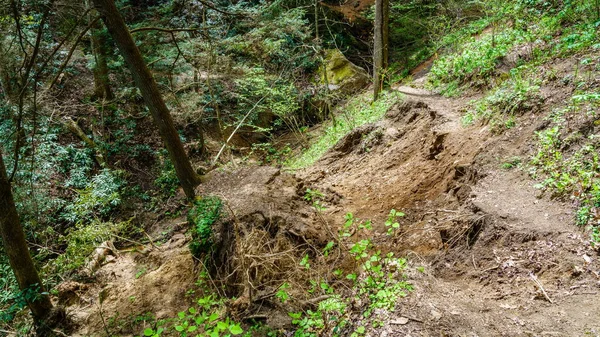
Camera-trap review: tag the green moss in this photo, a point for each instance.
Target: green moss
(340, 71)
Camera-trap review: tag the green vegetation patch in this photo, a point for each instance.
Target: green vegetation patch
(568, 158)
(203, 215)
(477, 61)
(517, 95)
(358, 111)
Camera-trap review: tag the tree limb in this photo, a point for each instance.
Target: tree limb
(166, 30)
(71, 51)
(72, 126)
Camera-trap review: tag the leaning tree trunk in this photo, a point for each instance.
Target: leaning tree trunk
(15, 246)
(378, 54)
(145, 82)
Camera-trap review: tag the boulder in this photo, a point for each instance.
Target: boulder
(343, 76)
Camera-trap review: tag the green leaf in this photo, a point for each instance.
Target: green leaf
(360, 329)
(235, 329)
(192, 310)
(295, 315)
(213, 317)
(192, 328)
(179, 328)
(222, 326)
(148, 332)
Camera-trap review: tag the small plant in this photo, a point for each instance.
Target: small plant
(595, 237)
(305, 262)
(282, 294)
(511, 163)
(391, 223)
(316, 197)
(140, 273)
(206, 321)
(203, 215)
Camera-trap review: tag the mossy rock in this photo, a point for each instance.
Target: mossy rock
(342, 75)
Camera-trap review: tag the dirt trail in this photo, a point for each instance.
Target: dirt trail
(493, 244)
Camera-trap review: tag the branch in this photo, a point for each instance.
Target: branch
(60, 44)
(166, 30)
(72, 126)
(211, 6)
(71, 51)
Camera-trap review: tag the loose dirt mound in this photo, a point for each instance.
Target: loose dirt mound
(415, 155)
(266, 229)
(132, 283)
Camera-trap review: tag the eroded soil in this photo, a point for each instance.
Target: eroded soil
(500, 258)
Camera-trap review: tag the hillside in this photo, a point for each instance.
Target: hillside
(463, 202)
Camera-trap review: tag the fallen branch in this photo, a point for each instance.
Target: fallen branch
(72, 126)
(535, 280)
(234, 131)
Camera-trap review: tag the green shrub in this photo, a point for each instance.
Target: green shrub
(98, 199)
(167, 181)
(203, 215)
(81, 240)
(477, 60)
(513, 97)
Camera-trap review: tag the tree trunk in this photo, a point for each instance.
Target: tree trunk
(15, 246)
(100, 70)
(378, 48)
(386, 33)
(145, 82)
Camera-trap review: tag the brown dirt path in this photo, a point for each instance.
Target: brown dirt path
(484, 232)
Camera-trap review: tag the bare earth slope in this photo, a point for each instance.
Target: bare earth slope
(493, 245)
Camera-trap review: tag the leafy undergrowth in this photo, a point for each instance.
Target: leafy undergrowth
(567, 159)
(501, 105)
(507, 60)
(358, 111)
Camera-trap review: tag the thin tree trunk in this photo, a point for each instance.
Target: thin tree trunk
(378, 49)
(386, 33)
(100, 70)
(15, 246)
(145, 82)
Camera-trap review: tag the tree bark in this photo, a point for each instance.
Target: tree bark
(100, 70)
(386, 33)
(378, 53)
(15, 246)
(145, 82)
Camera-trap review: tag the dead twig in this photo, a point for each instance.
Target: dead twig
(535, 280)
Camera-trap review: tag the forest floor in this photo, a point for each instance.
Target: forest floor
(500, 257)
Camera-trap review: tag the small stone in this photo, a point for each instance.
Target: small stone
(587, 258)
(400, 321)
(436, 315)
